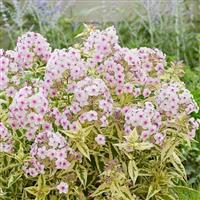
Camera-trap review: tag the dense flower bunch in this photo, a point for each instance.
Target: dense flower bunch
(27, 110)
(147, 119)
(8, 67)
(93, 121)
(173, 99)
(48, 146)
(30, 47)
(5, 139)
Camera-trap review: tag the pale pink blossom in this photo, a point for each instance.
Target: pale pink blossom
(62, 187)
(100, 139)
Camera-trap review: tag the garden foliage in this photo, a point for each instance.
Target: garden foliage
(94, 121)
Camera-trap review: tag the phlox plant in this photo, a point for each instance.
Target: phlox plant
(94, 121)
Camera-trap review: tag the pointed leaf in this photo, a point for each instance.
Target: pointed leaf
(81, 172)
(151, 192)
(41, 181)
(71, 135)
(176, 161)
(119, 132)
(82, 147)
(144, 146)
(126, 194)
(133, 170)
(133, 137)
(14, 178)
(105, 187)
(32, 190)
(20, 152)
(168, 149)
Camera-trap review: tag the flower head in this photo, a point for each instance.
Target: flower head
(62, 187)
(100, 139)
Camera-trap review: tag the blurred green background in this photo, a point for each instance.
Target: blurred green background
(170, 25)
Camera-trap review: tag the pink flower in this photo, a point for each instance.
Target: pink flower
(62, 187)
(137, 92)
(11, 91)
(100, 139)
(51, 154)
(42, 152)
(92, 90)
(32, 171)
(75, 108)
(32, 167)
(90, 116)
(128, 88)
(47, 126)
(146, 92)
(159, 138)
(30, 134)
(144, 135)
(73, 126)
(104, 121)
(62, 163)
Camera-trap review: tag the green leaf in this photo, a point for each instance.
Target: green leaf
(86, 131)
(105, 187)
(82, 147)
(97, 162)
(42, 187)
(32, 190)
(81, 172)
(152, 191)
(133, 170)
(119, 132)
(126, 194)
(14, 178)
(53, 197)
(71, 135)
(122, 192)
(10, 166)
(166, 197)
(176, 161)
(79, 192)
(2, 193)
(133, 137)
(41, 181)
(20, 153)
(41, 196)
(143, 146)
(168, 149)
(41, 190)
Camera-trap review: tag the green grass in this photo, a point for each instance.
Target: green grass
(187, 194)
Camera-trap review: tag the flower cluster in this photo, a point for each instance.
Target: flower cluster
(8, 67)
(90, 91)
(6, 142)
(30, 47)
(146, 119)
(101, 44)
(32, 167)
(174, 99)
(48, 148)
(193, 127)
(65, 60)
(27, 110)
(75, 110)
(144, 64)
(121, 67)
(4, 63)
